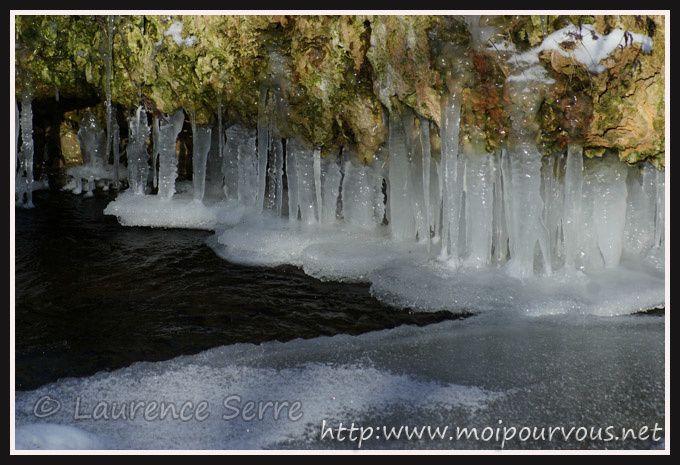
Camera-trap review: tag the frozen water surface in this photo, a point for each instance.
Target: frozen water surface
(523, 371)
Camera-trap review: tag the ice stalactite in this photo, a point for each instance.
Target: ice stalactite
(247, 188)
(452, 174)
(201, 147)
(572, 206)
(331, 176)
(264, 134)
(553, 195)
(108, 68)
(115, 147)
(302, 182)
(640, 210)
(292, 179)
(155, 147)
(528, 235)
(402, 222)
(24, 175)
(137, 155)
(169, 129)
(478, 207)
(659, 231)
(607, 183)
(362, 203)
(427, 174)
(500, 228)
(234, 137)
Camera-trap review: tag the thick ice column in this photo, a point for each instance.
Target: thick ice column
(305, 180)
(640, 211)
(274, 197)
(263, 140)
(116, 152)
(412, 132)
(478, 207)
(426, 173)
(155, 147)
(573, 200)
(168, 130)
(553, 198)
(402, 221)
(361, 202)
(92, 140)
(24, 181)
(500, 228)
(292, 179)
(201, 147)
(247, 170)
(452, 173)
(608, 183)
(659, 231)
(138, 158)
(330, 188)
(317, 183)
(234, 135)
(525, 217)
(108, 65)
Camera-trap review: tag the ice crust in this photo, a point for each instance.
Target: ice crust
(547, 371)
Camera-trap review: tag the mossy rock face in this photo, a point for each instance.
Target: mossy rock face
(332, 80)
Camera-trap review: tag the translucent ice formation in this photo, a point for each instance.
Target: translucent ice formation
(455, 229)
(201, 146)
(138, 157)
(24, 176)
(168, 131)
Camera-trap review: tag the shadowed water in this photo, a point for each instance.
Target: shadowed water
(92, 295)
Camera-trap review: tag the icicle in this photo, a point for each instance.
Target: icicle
(201, 147)
(168, 130)
(304, 176)
(573, 198)
(360, 200)
(274, 198)
(234, 136)
(330, 188)
(478, 208)
(89, 192)
(401, 218)
(659, 231)
(291, 176)
(415, 165)
(263, 141)
(426, 169)
(108, 64)
(500, 229)
(553, 198)
(155, 137)
(247, 170)
(525, 222)
(116, 153)
(317, 183)
(138, 158)
(24, 181)
(452, 185)
(607, 179)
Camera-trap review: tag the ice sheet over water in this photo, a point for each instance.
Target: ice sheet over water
(547, 371)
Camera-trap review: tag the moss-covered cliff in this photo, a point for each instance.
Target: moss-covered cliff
(336, 76)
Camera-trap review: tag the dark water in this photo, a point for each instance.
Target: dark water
(92, 295)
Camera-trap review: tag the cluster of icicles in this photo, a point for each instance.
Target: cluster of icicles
(512, 209)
